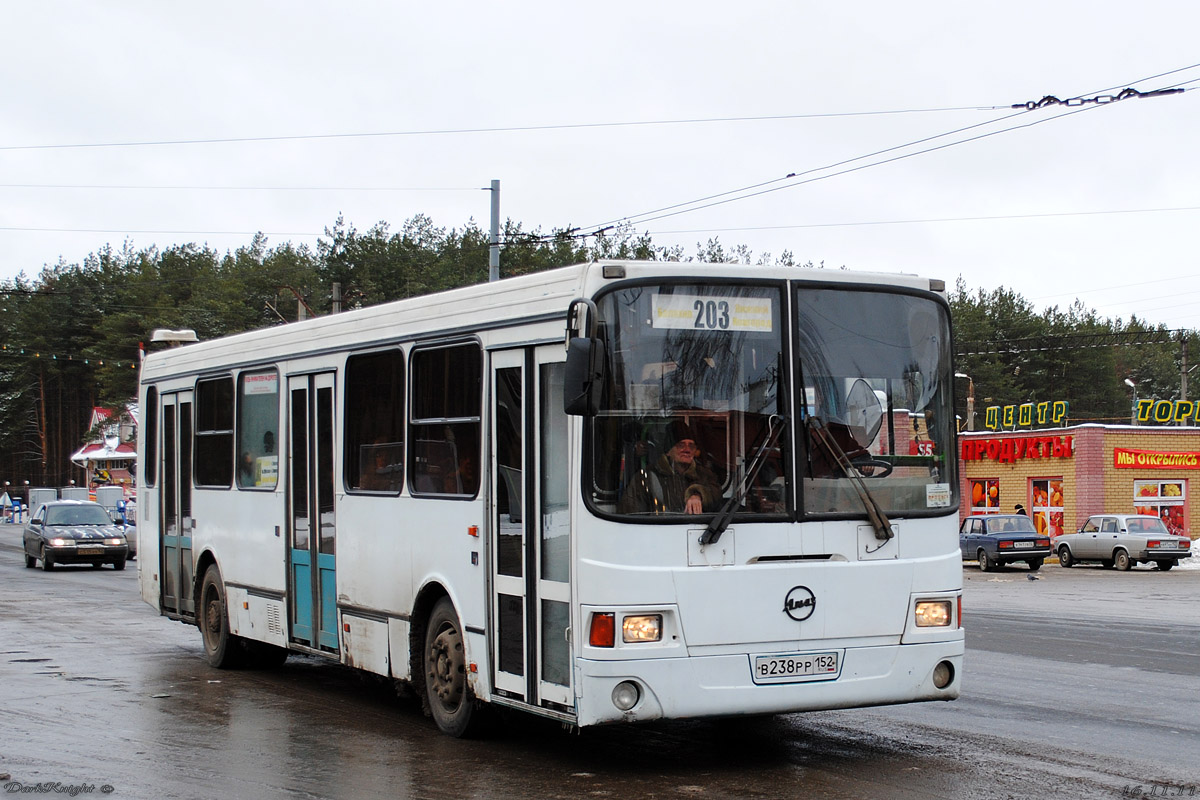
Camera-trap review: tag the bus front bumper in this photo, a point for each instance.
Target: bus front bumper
(714, 686)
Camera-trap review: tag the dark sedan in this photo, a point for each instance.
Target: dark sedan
(999, 539)
(74, 532)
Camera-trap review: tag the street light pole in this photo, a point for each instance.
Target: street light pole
(1133, 411)
(494, 250)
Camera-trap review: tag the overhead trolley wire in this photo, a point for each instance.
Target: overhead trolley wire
(1078, 104)
(497, 129)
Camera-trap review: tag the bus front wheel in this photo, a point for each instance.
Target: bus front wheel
(222, 648)
(450, 700)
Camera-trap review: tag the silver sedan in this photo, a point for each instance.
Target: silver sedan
(1121, 541)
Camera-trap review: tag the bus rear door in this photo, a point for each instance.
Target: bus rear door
(175, 505)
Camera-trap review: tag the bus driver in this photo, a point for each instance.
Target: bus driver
(676, 484)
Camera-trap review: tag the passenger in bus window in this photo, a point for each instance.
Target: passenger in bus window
(676, 483)
(464, 478)
(246, 469)
(382, 470)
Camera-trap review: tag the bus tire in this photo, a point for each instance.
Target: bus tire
(451, 702)
(222, 649)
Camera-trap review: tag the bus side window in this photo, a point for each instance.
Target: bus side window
(444, 421)
(374, 419)
(257, 427)
(214, 433)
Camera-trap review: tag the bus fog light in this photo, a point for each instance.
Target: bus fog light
(645, 628)
(943, 674)
(625, 695)
(934, 614)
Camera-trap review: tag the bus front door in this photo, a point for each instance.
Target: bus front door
(312, 530)
(530, 529)
(175, 505)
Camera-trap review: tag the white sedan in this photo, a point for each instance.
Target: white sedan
(1121, 541)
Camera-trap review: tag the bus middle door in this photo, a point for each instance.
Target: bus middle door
(312, 529)
(530, 528)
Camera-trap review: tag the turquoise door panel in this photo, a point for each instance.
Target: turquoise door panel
(328, 632)
(302, 597)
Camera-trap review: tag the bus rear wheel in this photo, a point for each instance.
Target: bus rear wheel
(222, 648)
(450, 700)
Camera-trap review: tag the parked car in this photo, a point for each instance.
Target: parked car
(999, 539)
(129, 526)
(73, 532)
(1121, 541)
(124, 516)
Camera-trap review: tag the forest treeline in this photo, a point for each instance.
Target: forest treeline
(70, 337)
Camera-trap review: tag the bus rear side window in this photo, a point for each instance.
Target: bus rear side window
(214, 433)
(374, 420)
(447, 394)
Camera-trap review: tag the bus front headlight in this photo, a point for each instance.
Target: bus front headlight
(642, 628)
(934, 613)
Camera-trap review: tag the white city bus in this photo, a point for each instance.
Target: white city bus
(728, 490)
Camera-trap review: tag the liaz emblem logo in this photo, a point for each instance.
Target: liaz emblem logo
(800, 603)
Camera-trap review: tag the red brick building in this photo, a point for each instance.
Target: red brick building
(1064, 475)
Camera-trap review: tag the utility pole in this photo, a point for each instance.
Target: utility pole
(494, 251)
(1183, 368)
(337, 298)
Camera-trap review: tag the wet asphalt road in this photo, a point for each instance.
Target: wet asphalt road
(1085, 683)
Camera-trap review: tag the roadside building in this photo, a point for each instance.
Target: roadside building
(1064, 475)
(109, 459)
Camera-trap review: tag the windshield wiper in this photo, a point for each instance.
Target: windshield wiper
(718, 524)
(883, 526)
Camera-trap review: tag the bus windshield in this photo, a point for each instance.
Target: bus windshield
(874, 370)
(694, 380)
(696, 399)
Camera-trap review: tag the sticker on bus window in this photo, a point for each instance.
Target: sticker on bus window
(265, 383)
(711, 313)
(937, 495)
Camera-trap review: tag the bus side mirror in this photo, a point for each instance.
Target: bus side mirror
(583, 377)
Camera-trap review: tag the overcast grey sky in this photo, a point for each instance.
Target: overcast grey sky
(1095, 202)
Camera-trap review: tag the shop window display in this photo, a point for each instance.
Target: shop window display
(1047, 505)
(985, 496)
(1163, 499)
